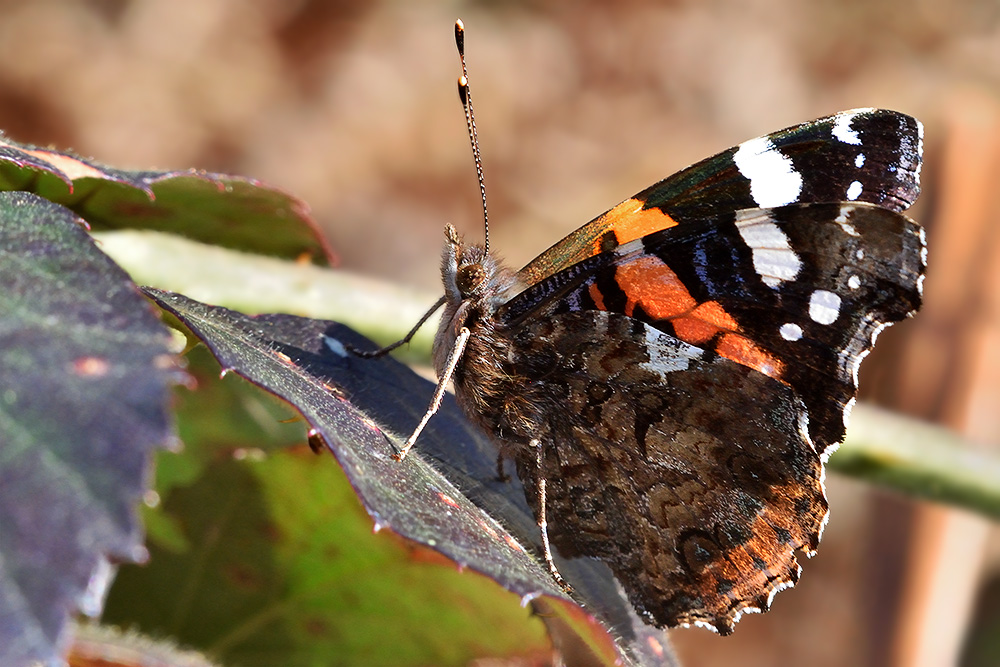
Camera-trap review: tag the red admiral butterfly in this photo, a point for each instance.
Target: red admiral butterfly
(670, 378)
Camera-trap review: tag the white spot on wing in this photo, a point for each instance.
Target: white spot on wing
(844, 220)
(848, 409)
(790, 331)
(854, 282)
(626, 249)
(804, 429)
(773, 257)
(842, 129)
(922, 235)
(920, 149)
(824, 457)
(859, 161)
(772, 176)
(856, 359)
(667, 354)
(854, 190)
(824, 307)
(782, 586)
(777, 588)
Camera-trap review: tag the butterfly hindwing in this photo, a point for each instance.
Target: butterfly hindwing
(688, 474)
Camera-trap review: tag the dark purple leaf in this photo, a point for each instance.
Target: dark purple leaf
(229, 211)
(84, 390)
(446, 494)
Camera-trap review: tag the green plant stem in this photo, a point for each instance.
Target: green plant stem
(920, 460)
(255, 284)
(909, 456)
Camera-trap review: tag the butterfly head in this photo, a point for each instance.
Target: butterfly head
(462, 267)
(470, 273)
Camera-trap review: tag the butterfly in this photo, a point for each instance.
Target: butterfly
(670, 378)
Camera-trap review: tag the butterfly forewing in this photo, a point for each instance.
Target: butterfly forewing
(864, 155)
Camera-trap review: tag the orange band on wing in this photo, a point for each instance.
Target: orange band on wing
(626, 222)
(597, 296)
(629, 221)
(703, 323)
(650, 283)
(713, 313)
(743, 351)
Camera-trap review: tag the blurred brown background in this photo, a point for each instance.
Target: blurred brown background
(352, 106)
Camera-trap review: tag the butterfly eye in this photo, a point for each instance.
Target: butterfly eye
(470, 278)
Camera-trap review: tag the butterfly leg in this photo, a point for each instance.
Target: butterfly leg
(449, 370)
(543, 524)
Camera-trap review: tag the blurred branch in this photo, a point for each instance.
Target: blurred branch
(919, 459)
(915, 458)
(253, 284)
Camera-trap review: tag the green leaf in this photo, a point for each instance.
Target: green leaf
(84, 390)
(279, 564)
(446, 494)
(230, 211)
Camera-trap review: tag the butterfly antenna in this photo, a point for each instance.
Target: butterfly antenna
(470, 121)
